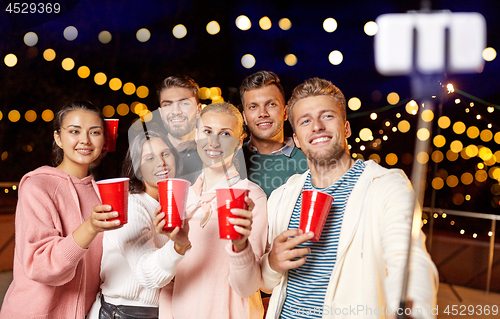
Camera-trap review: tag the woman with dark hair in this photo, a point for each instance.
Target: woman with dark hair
(59, 224)
(137, 261)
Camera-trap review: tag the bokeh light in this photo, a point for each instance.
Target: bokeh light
(437, 183)
(486, 135)
(129, 88)
(373, 116)
(179, 31)
(30, 116)
(459, 127)
(427, 115)
(371, 28)
(467, 178)
(115, 84)
(10, 60)
(248, 61)
(365, 134)
(14, 116)
(142, 92)
(391, 159)
(83, 72)
(456, 146)
(290, 59)
(285, 24)
(489, 54)
(243, 23)
(375, 157)
(437, 156)
(104, 37)
(497, 137)
(122, 109)
(108, 110)
(354, 104)
(452, 181)
(68, 64)
(423, 134)
(422, 157)
(265, 23)
(204, 93)
(100, 78)
(213, 27)
(335, 57)
(143, 35)
(49, 55)
(330, 25)
(393, 98)
(30, 39)
(481, 176)
(451, 156)
(471, 150)
(439, 140)
(444, 122)
(472, 132)
(47, 115)
(411, 107)
(70, 33)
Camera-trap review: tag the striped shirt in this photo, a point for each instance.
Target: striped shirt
(307, 284)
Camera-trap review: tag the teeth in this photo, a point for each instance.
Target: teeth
(161, 174)
(321, 139)
(264, 124)
(214, 153)
(83, 151)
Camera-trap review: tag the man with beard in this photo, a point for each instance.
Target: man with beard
(270, 158)
(356, 268)
(179, 109)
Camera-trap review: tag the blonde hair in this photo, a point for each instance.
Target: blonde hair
(315, 87)
(224, 107)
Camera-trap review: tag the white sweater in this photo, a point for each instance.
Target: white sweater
(136, 261)
(371, 253)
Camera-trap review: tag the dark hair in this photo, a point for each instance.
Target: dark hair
(132, 163)
(258, 80)
(57, 152)
(182, 81)
(315, 87)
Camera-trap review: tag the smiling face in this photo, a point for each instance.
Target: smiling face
(157, 163)
(217, 138)
(81, 137)
(179, 111)
(265, 112)
(320, 130)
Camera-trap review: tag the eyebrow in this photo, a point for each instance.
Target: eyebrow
(78, 126)
(320, 113)
(265, 102)
(222, 129)
(151, 153)
(172, 101)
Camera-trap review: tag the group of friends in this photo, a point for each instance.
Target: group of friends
(71, 261)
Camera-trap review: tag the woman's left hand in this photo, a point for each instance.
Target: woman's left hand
(242, 225)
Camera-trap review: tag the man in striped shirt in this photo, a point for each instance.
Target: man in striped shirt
(356, 268)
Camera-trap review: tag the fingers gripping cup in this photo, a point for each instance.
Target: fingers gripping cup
(111, 134)
(173, 194)
(314, 211)
(114, 192)
(228, 198)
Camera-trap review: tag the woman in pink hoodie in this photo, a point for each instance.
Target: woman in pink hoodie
(59, 224)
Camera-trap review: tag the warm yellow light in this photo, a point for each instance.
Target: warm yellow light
(480, 165)
(437, 183)
(265, 23)
(494, 173)
(375, 158)
(486, 135)
(285, 24)
(439, 140)
(143, 35)
(30, 116)
(456, 146)
(373, 116)
(478, 116)
(330, 25)
(481, 176)
(472, 132)
(457, 101)
(444, 122)
(423, 134)
(47, 115)
(467, 178)
(404, 126)
(5, 155)
(411, 107)
(142, 91)
(139, 108)
(104, 37)
(115, 84)
(497, 156)
(485, 153)
(497, 137)
(490, 109)
(179, 31)
(437, 156)
(391, 159)
(83, 72)
(290, 59)
(68, 64)
(422, 157)
(129, 88)
(489, 54)
(122, 109)
(459, 127)
(14, 116)
(10, 60)
(100, 78)
(452, 181)
(30, 39)
(371, 28)
(393, 98)
(108, 111)
(70, 33)
(490, 233)
(215, 92)
(248, 61)
(335, 57)
(451, 156)
(450, 88)
(1, 115)
(204, 93)
(354, 104)
(462, 231)
(243, 23)
(471, 150)
(427, 115)
(49, 55)
(213, 27)
(365, 134)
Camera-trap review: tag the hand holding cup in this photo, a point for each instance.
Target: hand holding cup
(178, 235)
(242, 224)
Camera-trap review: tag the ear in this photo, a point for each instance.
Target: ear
(199, 110)
(285, 115)
(347, 129)
(296, 140)
(57, 138)
(245, 118)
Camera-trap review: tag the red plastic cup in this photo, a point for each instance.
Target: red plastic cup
(314, 211)
(173, 194)
(114, 192)
(228, 198)
(111, 134)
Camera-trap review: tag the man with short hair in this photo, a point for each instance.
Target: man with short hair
(270, 158)
(356, 268)
(179, 109)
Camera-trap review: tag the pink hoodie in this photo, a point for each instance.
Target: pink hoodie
(53, 276)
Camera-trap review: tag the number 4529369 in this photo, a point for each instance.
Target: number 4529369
(463, 310)
(16, 7)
